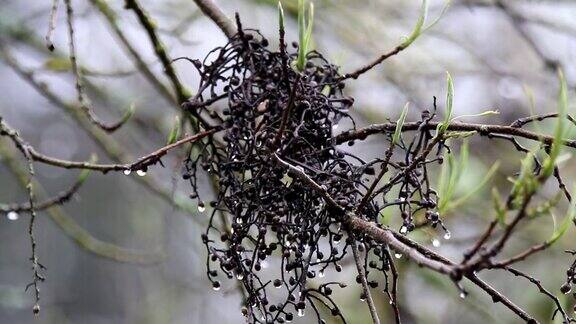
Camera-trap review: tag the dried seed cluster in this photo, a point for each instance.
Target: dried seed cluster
(274, 116)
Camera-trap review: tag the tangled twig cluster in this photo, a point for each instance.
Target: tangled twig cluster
(279, 127)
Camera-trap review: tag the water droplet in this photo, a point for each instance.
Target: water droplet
(398, 255)
(239, 220)
(462, 295)
(239, 276)
(141, 173)
(435, 242)
(12, 215)
(448, 235)
(127, 172)
(321, 274)
(390, 301)
(362, 298)
(403, 229)
(201, 207)
(216, 285)
(301, 312)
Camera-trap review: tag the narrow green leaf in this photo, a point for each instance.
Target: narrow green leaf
(280, 16)
(418, 27)
(128, 113)
(309, 25)
(442, 127)
(459, 134)
(400, 124)
(482, 183)
(482, 114)
(549, 163)
(444, 9)
(561, 230)
(174, 132)
(499, 207)
(86, 172)
(301, 60)
(526, 182)
(569, 218)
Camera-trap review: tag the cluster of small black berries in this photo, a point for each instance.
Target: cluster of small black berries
(566, 288)
(270, 231)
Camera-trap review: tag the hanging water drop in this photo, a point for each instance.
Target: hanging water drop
(321, 274)
(201, 207)
(301, 312)
(435, 242)
(403, 229)
(12, 215)
(216, 285)
(448, 235)
(127, 172)
(240, 276)
(398, 255)
(462, 295)
(141, 173)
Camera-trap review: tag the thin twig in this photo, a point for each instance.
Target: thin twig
(210, 9)
(52, 24)
(82, 100)
(364, 281)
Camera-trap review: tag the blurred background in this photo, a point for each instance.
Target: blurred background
(127, 249)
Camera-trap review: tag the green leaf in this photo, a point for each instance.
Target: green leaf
(309, 24)
(526, 182)
(128, 113)
(86, 172)
(58, 64)
(569, 218)
(482, 183)
(444, 9)
(549, 163)
(280, 16)
(400, 124)
(174, 132)
(499, 207)
(418, 27)
(459, 134)
(301, 60)
(450, 176)
(482, 114)
(442, 127)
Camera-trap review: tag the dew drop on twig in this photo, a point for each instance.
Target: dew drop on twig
(12, 215)
(201, 207)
